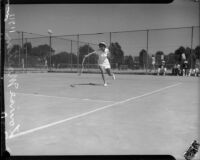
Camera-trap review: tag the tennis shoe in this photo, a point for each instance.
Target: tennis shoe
(105, 84)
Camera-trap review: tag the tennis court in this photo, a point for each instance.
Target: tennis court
(135, 114)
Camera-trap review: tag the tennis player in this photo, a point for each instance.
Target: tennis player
(103, 62)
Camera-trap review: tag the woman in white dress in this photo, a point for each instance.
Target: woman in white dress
(103, 62)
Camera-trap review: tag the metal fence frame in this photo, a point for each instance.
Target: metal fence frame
(23, 38)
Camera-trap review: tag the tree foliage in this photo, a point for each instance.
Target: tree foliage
(128, 60)
(38, 54)
(178, 53)
(42, 51)
(117, 54)
(158, 56)
(84, 50)
(197, 52)
(143, 58)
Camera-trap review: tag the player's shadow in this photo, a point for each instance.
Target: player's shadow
(88, 84)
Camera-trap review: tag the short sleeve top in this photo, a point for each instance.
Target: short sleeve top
(102, 56)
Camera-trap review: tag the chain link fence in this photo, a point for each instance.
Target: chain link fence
(131, 51)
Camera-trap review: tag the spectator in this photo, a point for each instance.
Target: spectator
(153, 63)
(185, 68)
(162, 69)
(179, 70)
(183, 57)
(175, 70)
(45, 63)
(195, 71)
(197, 68)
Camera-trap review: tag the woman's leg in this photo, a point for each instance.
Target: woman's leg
(108, 70)
(102, 74)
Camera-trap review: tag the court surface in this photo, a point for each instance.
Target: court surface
(135, 114)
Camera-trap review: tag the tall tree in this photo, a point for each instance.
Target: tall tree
(117, 54)
(197, 52)
(128, 60)
(158, 56)
(171, 59)
(84, 50)
(178, 53)
(42, 51)
(13, 54)
(143, 56)
(192, 60)
(188, 53)
(27, 48)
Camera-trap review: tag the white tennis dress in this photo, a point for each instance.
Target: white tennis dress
(103, 60)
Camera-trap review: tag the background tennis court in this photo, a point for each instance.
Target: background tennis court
(135, 114)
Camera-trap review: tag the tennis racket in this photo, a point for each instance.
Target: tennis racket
(82, 67)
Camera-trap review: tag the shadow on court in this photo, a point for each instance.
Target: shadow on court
(86, 84)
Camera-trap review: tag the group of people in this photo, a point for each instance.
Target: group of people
(185, 70)
(182, 69)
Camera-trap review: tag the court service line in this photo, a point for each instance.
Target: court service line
(84, 99)
(90, 112)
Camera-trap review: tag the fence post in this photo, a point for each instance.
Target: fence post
(22, 46)
(88, 64)
(67, 57)
(110, 38)
(77, 52)
(50, 51)
(192, 30)
(19, 50)
(71, 55)
(26, 55)
(147, 60)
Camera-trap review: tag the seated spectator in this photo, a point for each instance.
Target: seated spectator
(179, 70)
(162, 69)
(185, 68)
(175, 70)
(195, 71)
(197, 68)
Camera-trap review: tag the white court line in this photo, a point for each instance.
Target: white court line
(84, 99)
(90, 112)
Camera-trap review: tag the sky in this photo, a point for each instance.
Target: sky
(68, 19)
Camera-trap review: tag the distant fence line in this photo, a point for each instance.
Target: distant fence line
(32, 50)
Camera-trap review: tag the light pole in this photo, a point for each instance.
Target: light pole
(50, 33)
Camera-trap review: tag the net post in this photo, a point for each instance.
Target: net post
(110, 38)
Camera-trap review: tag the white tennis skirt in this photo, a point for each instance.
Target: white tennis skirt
(105, 64)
